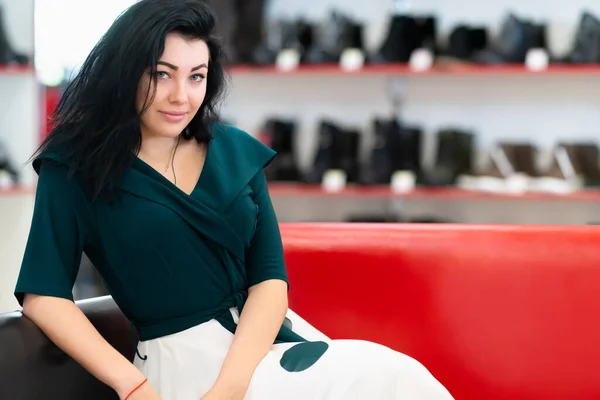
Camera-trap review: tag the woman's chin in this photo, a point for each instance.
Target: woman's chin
(167, 131)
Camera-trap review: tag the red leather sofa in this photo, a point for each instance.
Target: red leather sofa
(494, 312)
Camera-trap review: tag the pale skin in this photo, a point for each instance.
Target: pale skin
(180, 91)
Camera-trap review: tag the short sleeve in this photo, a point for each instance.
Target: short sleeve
(265, 257)
(56, 237)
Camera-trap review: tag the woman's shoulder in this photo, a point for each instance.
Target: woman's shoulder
(56, 175)
(233, 135)
(240, 147)
(50, 160)
(236, 160)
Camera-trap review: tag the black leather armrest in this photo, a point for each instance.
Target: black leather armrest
(33, 368)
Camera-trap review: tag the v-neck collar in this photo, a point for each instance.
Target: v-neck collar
(233, 158)
(152, 171)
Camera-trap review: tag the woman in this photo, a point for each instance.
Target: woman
(172, 208)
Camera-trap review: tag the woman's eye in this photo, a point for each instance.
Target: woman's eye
(162, 75)
(197, 78)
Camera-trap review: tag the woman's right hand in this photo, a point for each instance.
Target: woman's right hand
(145, 392)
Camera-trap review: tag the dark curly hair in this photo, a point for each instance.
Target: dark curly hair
(96, 126)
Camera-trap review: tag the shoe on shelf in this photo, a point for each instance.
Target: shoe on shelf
(464, 42)
(226, 11)
(8, 55)
(296, 35)
(510, 169)
(573, 167)
(454, 157)
(337, 149)
(586, 46)
(383, 155)
(404, 36)
(337, 34)
(326, 154)
(517, 36)
(280, 136)
(349, 157)
(396, 150)
(587, 156)
(248, 31)
(7, 165)
(427, 26)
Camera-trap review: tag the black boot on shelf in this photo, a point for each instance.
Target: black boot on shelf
(409, 158)
(336, 35)
(397, 148)
(403, 38)
(464, 42)
(7, 54)
(278, 35)
(338, 149)
(454, 157)
(349, 155)
(586, 49)
(305, 32)
(327, 156)
(227, 14)
(7, 165)
(384, 155)
(405, 35)
(248, 32)
(428, 33)
(516, 38)
(279, 135)
(284, 35)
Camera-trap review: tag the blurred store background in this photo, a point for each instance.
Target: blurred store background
(437, 111)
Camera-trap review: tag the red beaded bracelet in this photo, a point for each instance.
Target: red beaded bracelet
(137, 387)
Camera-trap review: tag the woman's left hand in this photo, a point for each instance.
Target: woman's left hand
(212, 395)
(221, 394)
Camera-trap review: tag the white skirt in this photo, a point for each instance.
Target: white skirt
(185, 365)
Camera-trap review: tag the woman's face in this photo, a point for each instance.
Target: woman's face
(180, 87)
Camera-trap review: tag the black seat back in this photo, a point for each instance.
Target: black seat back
(33, 368)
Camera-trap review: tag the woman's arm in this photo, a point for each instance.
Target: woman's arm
(65, 325)
(259, 323)
(267, 304)
(59, 232)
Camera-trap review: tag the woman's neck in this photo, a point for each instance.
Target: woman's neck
(157, 148)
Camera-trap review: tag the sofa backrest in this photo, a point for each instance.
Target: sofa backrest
(494, 312)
